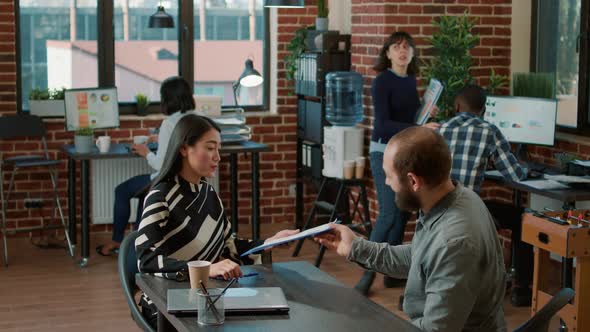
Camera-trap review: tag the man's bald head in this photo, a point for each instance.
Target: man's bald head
(421, 151)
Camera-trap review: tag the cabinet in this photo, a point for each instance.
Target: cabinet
(311, 115)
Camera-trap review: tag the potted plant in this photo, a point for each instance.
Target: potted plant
(452, 42)
(143, 102)
(84, 140)
(321, 21)
(47, 102)
(296, 47)
(537, 85)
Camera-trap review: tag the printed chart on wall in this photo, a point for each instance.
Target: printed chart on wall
(95, 108)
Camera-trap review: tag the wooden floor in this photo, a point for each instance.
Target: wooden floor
(43, 290)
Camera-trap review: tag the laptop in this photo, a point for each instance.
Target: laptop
(243, 300)
(208, 105)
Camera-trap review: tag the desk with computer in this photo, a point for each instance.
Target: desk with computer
(531, 121)
(563, 234)
(98, 108)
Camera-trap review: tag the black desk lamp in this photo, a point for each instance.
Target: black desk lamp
(284, 3)
(249, 78)
(161, 19)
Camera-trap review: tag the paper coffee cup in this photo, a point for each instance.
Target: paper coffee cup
(349, 169)
(198, 271)
(360, 167)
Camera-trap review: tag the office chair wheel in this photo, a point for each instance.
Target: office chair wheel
(83, 262)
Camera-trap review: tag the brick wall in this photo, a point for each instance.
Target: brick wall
(372, 22)
(277, 167)
(7, 58)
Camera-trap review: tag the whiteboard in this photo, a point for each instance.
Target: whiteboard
(96, 108)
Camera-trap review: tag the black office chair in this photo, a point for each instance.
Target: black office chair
(25, 125)
(127, 271)
(540, 321)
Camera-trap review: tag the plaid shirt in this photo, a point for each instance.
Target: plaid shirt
(473, 142)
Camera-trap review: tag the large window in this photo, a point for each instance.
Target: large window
(561, 46)
(88, 43)
(54, 42)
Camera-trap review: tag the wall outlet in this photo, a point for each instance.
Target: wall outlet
(292, 190)
(33, 203)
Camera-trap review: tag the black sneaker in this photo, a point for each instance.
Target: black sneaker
(390, 282)
(521, 297)
(365, 283)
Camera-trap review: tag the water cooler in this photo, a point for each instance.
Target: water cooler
(344, 109)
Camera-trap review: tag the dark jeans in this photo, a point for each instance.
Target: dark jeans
(391, 221)
(123, 195)
(508, 216)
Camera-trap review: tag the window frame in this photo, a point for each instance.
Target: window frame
(106, 54)
(583, 121)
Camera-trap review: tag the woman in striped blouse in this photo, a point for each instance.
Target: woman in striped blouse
(183, 218)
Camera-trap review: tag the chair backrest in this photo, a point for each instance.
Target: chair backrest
(127, 271)
(540, 321)
(21, 125)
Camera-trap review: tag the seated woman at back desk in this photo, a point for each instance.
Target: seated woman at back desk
(176, 97)
(183, 218)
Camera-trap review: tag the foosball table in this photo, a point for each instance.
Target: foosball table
(567, 234)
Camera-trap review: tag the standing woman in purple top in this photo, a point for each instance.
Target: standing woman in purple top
(395, 103)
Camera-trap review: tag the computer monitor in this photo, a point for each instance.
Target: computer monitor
(522, 119)
(96, 108)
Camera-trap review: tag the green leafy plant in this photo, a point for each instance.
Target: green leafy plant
(496, 82)
(451, 43)
(84, 131)
(296, 47)
(142, 101)
(322, 9)
(47, 94)
(539, 85)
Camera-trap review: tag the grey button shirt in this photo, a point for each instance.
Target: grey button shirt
(454, 266)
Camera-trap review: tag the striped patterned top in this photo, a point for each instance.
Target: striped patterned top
(182, 222)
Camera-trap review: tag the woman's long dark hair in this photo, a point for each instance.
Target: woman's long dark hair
(189, 129)
(383, 63)
(176, 95)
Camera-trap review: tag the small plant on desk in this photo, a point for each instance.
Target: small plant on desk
(142, 104)
(83, 140)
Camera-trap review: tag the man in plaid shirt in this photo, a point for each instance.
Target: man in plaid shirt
(473, 143)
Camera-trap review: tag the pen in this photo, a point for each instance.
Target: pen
(244, 276)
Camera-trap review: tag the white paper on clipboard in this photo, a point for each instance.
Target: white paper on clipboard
(431, 96)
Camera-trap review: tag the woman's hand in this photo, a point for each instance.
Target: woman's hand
(226, 269)
(434, 112)
(140, 149)
(282, 234)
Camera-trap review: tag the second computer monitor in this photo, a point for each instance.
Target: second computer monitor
(523, 119)
(96, 108)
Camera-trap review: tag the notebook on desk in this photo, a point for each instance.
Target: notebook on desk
(243, 300)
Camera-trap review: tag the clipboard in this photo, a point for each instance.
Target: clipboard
(431, 96)
(306, 233)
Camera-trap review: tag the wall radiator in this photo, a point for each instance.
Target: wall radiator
(106, 175)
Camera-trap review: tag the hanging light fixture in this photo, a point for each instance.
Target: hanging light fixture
(250, 78)
(160, 19)
(284, 3)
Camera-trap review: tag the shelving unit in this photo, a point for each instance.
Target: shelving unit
(311, 110)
